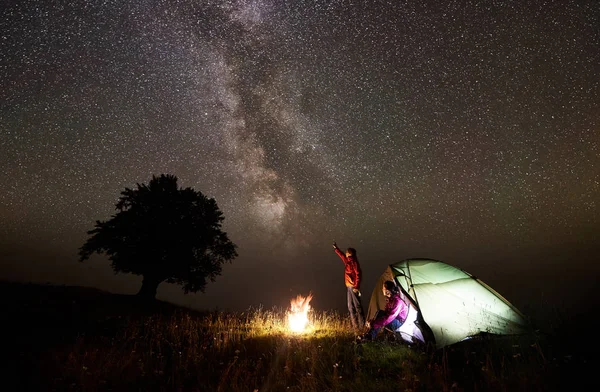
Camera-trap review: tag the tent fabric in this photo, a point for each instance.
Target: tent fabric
(446, 304)
(410, 331)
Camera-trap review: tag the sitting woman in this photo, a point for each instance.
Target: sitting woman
(394, 314)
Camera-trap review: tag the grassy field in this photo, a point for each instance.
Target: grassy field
(77, 339)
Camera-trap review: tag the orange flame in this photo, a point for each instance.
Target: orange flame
(298, 314)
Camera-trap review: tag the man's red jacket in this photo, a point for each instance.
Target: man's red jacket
(352, 272)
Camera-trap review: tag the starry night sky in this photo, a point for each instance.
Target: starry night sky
(467, 132)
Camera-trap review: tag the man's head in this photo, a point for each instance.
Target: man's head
(350, 252)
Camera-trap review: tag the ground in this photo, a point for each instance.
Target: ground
(73, 338)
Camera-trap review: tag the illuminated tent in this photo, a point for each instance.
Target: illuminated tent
(446, 304)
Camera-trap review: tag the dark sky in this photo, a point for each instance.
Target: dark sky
(467, 132)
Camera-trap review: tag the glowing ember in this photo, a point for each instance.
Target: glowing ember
(298, 314)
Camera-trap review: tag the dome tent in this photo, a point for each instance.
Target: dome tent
(446, 304)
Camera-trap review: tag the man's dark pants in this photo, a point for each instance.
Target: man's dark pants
(357, 316)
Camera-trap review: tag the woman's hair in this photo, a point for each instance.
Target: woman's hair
(391, 286)
(352, 251)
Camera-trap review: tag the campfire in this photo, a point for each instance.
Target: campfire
(298, 314)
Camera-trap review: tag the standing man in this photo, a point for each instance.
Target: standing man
(352, 278)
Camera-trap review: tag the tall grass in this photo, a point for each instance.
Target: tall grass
(221, 351)
(112, 345)
(254, 351)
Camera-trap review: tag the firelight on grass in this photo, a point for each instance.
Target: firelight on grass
(298, 313)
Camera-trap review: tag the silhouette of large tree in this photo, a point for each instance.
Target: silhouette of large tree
(165, 234)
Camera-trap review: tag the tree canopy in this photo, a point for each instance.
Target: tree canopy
(165, 234)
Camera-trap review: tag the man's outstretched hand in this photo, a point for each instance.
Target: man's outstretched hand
(334, 245)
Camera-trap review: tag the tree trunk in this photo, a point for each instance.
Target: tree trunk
(149, 287)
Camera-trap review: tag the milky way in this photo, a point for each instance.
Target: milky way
(467, 132)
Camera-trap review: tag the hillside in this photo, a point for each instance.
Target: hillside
(73, 338)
